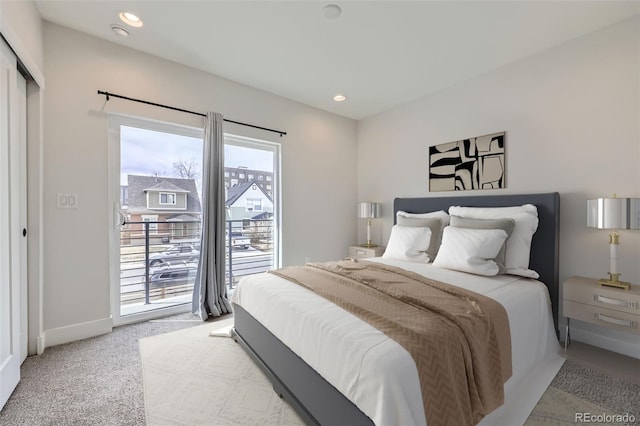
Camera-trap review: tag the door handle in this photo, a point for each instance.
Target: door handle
(119, 219)
(24, 232)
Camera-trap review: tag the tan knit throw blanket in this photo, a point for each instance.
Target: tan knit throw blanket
(458, 339)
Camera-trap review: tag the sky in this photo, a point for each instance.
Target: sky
(147, 152)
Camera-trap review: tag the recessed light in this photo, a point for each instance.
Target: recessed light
(339, 98)
(131, 19)
(119, 31)
(331, 11)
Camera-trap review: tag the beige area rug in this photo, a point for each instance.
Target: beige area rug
(191, 378)
(557, 407)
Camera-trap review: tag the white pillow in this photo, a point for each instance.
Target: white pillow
(519, 243)
(408, 243)
(441, 214)
(506, 225)
(470, 250)
(433, 223)
(432, 251)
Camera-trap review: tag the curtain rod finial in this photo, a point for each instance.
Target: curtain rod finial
(106, 94)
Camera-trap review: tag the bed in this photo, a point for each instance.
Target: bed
(338, 381)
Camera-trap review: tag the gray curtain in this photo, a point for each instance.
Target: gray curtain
(210, 291)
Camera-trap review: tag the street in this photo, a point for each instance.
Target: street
(243, 262)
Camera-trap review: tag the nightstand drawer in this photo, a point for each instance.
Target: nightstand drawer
(358, 252)
(602, 316)
(589, 292)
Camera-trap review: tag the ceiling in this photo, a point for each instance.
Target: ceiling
(380, 54)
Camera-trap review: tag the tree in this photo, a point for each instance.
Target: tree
(187, 168)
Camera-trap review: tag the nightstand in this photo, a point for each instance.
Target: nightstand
(586, 300)
(359, 252)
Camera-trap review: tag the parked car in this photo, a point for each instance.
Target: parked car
(182, 273)
(238, 240)
(186, 252)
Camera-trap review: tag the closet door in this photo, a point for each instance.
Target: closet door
(10, 286)
(18, 171)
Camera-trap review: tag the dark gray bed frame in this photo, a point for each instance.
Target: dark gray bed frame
(315, 399)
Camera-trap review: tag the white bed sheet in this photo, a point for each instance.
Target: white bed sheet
(379, 375)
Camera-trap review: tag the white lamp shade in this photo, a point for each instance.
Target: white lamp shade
(613, 213)
(368, 210)
(634, 213)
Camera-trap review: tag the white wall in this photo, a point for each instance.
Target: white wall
(572, 118)
(318, 157)
(21, 26)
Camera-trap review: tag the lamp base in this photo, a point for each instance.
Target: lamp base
(369, 244)
(616, 284)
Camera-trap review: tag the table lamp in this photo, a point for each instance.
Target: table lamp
(369, 211)
(614, 213)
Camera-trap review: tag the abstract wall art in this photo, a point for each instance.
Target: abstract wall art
(474, 163)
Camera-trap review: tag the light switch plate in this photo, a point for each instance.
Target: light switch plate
(67, 200)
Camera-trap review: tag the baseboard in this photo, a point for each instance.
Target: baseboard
(71, 333)
(630, 347)
(40, 345)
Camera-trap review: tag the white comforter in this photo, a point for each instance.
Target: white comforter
(379, 375)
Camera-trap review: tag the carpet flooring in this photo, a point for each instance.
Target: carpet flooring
(578, 389)
(98, 381)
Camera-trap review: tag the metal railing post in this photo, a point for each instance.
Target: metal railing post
(146, 263)
(230, 256)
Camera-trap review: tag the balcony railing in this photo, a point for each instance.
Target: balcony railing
(159, 260)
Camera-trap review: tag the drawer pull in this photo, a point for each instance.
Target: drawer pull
(617, 302)
(361, 252)
(616, 321)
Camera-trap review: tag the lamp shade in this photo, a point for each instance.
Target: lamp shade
(613, 213)
(368, 210)
(634, 213)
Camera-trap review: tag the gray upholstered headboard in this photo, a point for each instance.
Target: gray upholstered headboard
(544, 246)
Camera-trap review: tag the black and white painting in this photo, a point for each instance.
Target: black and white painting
(474, 163)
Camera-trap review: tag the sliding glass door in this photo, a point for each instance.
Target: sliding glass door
(156, 199)
(157, 203)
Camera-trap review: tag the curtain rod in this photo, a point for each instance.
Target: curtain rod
(108, 95)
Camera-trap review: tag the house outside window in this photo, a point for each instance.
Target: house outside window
(268, 178)
(251, 176)
(260, 177)
(168, 198)
(153, 227)
(226, 174)
(241, 175)
(254, 204)
(124, 195)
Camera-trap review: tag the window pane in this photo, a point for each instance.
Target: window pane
(157, 159)
(251, 211)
